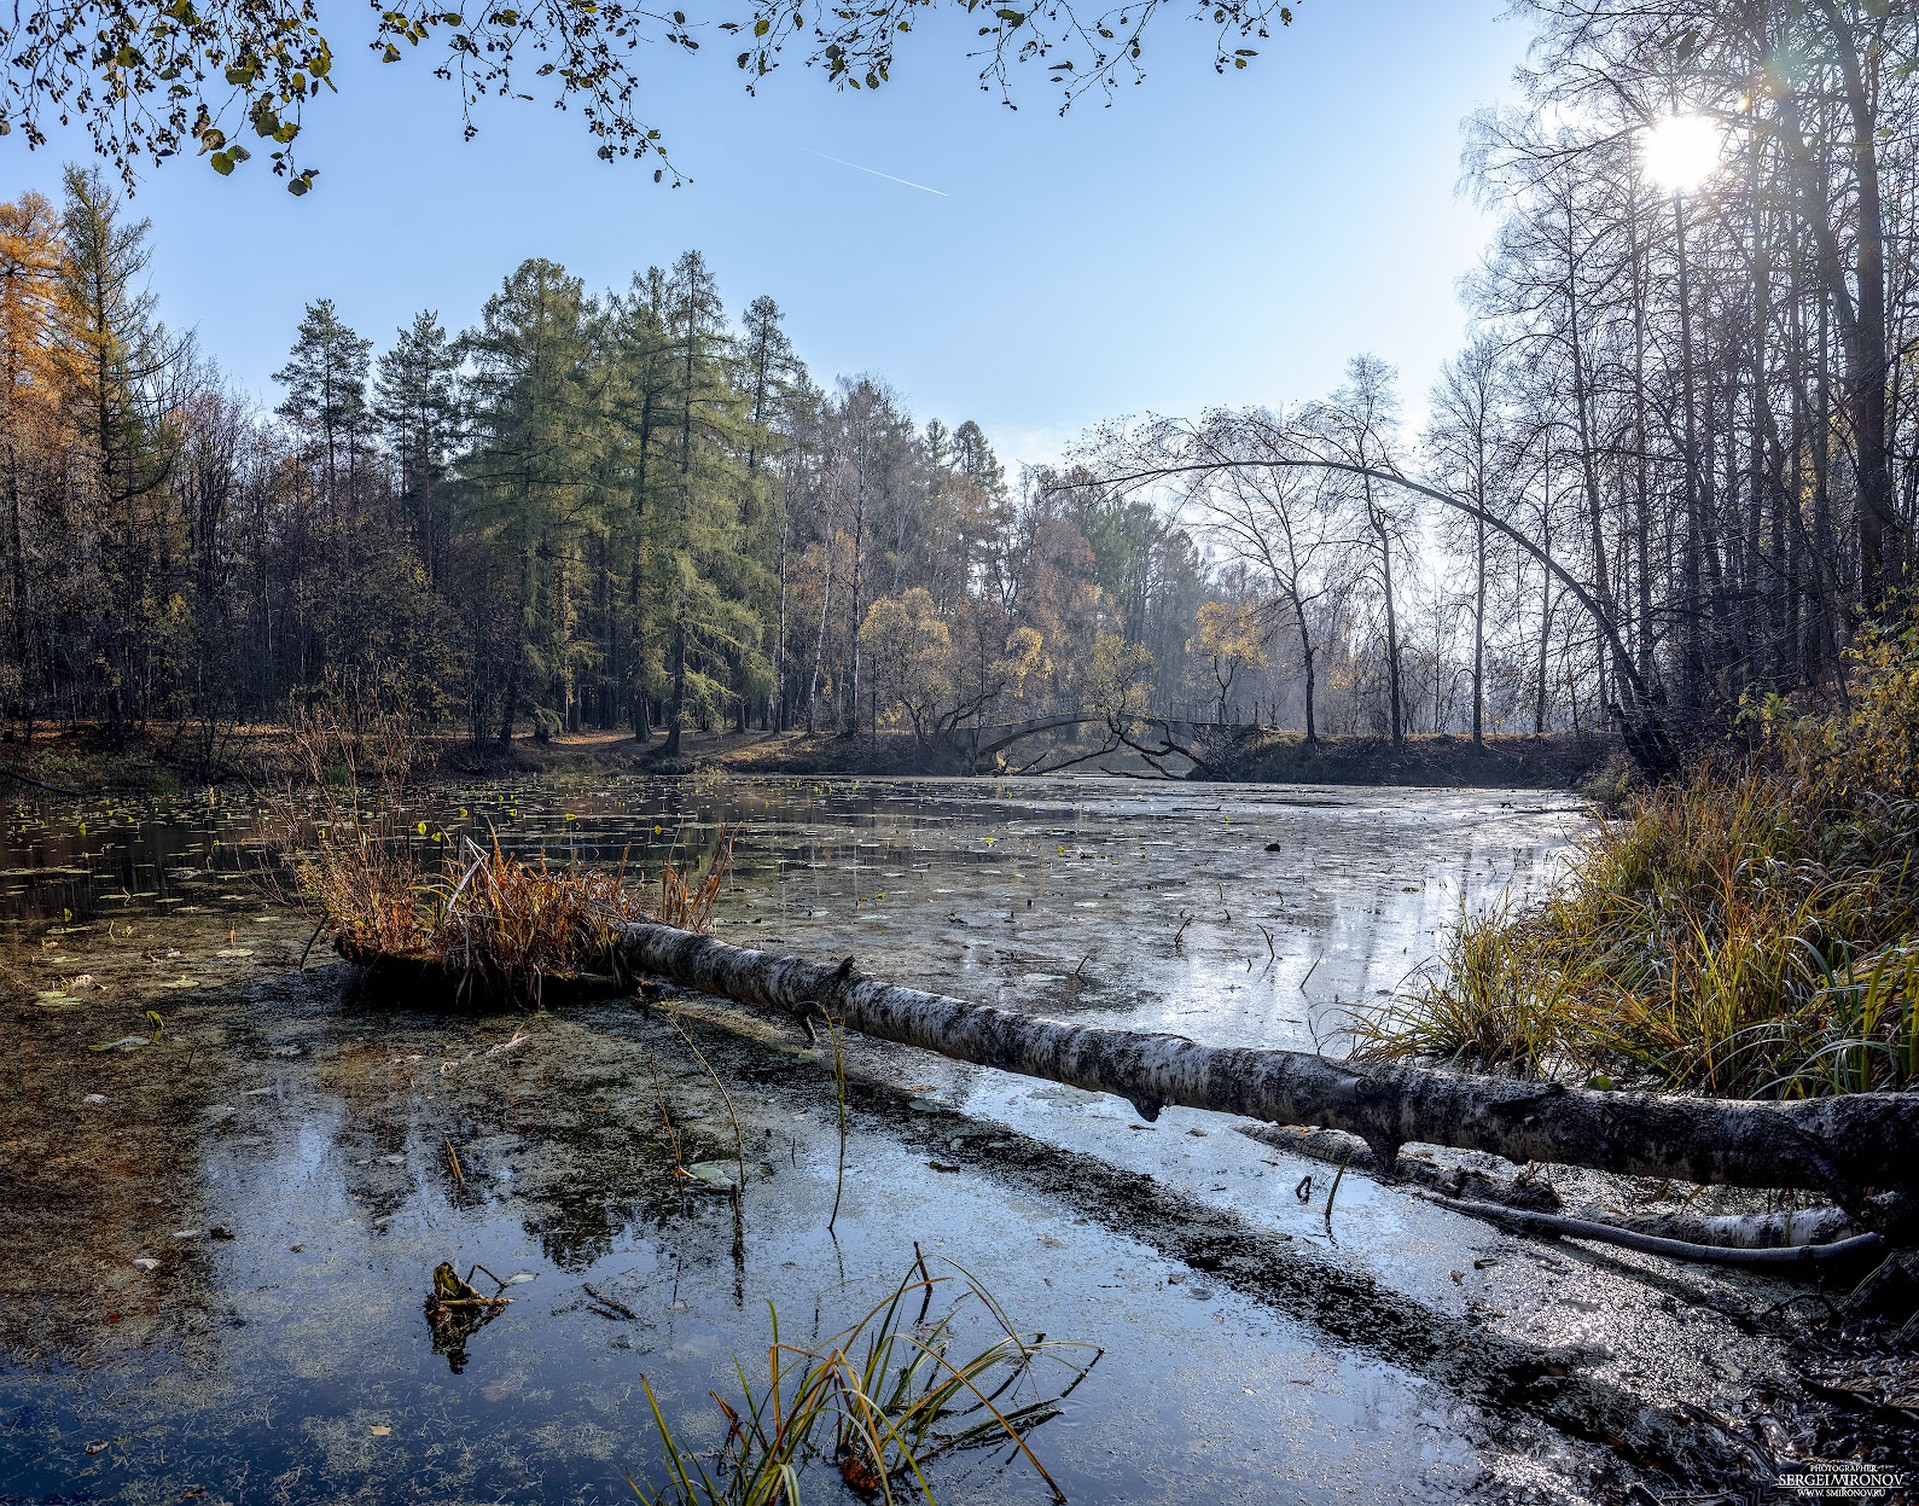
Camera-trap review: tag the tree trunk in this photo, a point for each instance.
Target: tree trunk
(1308, 688)
(675, 715)
(1849, 1147)
(1397, 705)
(1881, 546)
(1479, 630)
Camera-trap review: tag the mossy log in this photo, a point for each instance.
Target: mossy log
(1861, 1149)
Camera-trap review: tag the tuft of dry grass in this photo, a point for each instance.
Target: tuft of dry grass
(1751, 932)
(496, 926)
(877, 1402)
(501, 926)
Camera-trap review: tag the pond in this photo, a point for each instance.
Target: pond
(218, 1234)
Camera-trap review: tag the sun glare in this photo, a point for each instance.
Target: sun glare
(1681, 150)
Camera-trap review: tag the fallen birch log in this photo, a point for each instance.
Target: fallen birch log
(1861, 1149)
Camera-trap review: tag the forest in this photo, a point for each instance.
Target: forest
(1336, 1133)
(1675, 465)
(618, 511)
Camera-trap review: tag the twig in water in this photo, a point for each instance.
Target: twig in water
(1185, 920)
(839, 1093)
(451, 1290)
(739, 1138)
(305, 949)
(1338, 1177)
(666, 1118)
(607, 1302)
(926, 1279)
(1309, 973)
(453, 1163)
(1272, 952)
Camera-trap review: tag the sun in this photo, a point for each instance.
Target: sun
(1681, 150)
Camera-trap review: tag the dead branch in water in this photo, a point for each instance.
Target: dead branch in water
(1528, 1191)
(1861, 1149)
(1776, 1256)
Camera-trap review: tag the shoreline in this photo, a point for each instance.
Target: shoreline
(173, 759)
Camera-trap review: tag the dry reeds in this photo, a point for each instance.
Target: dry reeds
(505, 926)
(1753, 932)
(499, 927)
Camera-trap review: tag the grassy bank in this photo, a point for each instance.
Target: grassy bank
(164, 760)
(1752, 931)
(1561, 760)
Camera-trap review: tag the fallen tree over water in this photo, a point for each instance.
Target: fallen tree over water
(1860, 1150)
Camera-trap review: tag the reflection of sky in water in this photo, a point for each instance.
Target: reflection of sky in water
(293, 1363)
(1158, 911)
(1157, 908)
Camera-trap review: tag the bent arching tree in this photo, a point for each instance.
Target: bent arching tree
(1641, 698)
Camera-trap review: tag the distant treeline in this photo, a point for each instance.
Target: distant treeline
(1677, 464)
(605, 512)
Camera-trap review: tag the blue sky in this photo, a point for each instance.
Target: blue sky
(1206, 240)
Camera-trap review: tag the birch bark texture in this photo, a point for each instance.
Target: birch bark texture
(1861, 1149)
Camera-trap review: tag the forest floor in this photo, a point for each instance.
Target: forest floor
(164, 759)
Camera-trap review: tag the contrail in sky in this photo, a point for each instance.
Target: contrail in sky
(906, 182)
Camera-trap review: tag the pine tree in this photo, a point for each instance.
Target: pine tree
(418, 410)
(326, 401)
(638, 401)
(706, 575)
(118, 360)
(769, 377)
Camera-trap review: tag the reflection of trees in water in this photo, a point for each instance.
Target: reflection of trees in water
(375, 1089)
(571, 1115)
(590, 1190)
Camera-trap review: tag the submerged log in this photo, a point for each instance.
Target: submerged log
(1861, 1149)
(1712, 1253)
(1530, 1192)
